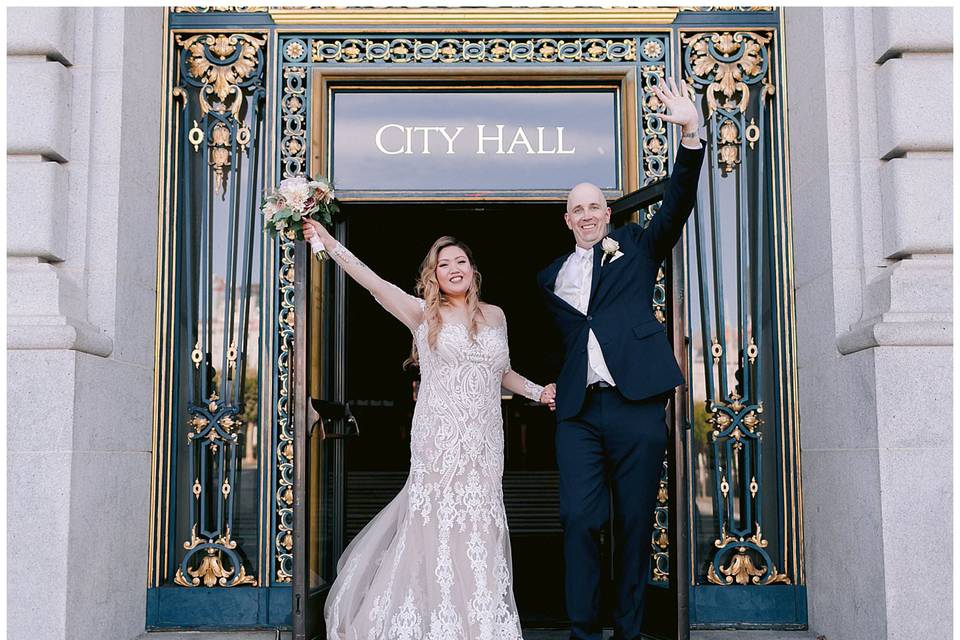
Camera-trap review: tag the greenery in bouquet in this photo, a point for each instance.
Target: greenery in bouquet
(297, 198)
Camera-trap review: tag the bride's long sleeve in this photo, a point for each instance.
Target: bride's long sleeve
(513, 381)
(403, 306)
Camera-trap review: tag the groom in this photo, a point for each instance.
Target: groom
(618, 372)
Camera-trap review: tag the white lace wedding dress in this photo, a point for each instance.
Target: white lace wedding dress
(435, 563)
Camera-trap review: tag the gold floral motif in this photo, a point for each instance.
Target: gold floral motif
(776, 577)
(663, 540)
(460, 50)
(729, 145)
(194, 539)
(211, 570)
(198, 423)
(736, 405)
(236, 9)
(294, 49)
(227, 423)
(207, 64)
(725, 64)
(725, 538)
(197, 488)
(757, 537)
(770, 8)
(741, 569)
(659, 308)
(547, 51)
(226, 541)
(221, 80)
(220, 155)
(212, 573)
(751, 421)
(712, 576)
(653, 49)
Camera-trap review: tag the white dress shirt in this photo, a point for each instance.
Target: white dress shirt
(573, 285)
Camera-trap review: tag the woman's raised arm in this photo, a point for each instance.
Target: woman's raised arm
(403, 306)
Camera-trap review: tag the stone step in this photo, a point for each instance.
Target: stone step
(529, 634)
(264, 634)
(754, 634)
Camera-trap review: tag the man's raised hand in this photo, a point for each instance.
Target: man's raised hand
(682, 109)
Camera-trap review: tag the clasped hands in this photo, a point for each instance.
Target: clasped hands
(549, 396)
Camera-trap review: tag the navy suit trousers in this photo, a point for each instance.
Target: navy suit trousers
(617, 445)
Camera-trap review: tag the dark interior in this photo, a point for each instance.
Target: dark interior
(510, 243)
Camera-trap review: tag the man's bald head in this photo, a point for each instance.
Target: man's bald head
(585, 191)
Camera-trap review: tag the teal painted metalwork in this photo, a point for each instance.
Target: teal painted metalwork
(222, 94)
(738, 326)
(298, 51)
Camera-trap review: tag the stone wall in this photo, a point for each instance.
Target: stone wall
(870, 126)
(83, 133)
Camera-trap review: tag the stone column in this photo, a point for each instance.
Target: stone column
(870, 127)
(83, 131)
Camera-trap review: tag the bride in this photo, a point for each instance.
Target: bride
(435, 562)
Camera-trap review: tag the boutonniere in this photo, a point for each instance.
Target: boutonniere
(611, 249)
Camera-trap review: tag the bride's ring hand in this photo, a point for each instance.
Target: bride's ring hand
(312, 228)
(549, 396)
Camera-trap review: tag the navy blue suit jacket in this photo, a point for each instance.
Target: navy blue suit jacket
(620, 312)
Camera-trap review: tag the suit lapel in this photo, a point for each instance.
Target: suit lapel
(549, 281)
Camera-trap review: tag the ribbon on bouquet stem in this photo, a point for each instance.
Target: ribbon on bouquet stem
(316, 246)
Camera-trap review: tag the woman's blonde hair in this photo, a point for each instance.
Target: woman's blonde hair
(429, 289)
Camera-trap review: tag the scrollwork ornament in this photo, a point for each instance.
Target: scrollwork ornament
(293, 160)
(455, 50)
(227, 72)
(724, 66)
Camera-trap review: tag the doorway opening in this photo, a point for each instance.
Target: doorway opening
(511, 243)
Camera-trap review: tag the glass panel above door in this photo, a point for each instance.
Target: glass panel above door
(503, 140)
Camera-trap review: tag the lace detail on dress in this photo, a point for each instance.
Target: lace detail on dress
(435, 563)
(532, 390)
(344, 255)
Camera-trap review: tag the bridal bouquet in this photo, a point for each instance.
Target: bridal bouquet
(297, 198)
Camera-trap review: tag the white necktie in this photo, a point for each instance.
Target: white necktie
(585, 264)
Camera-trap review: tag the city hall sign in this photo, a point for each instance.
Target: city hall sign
(474, 140)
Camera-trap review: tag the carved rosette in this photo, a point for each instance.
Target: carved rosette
(454, 50)
(724, 66)
(226, 70)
